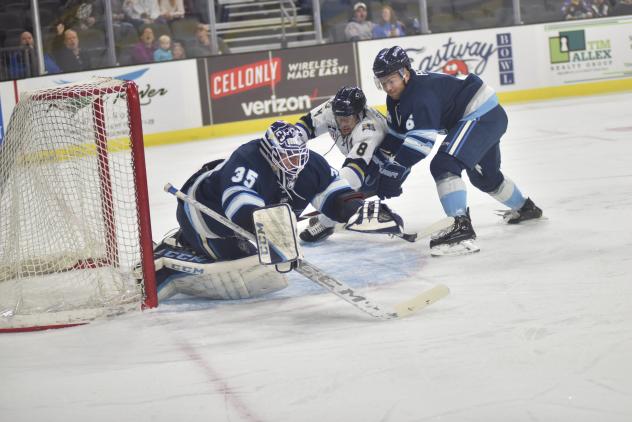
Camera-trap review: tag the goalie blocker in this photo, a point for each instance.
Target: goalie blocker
(181, 270)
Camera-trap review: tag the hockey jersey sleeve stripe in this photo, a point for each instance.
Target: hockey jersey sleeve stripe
(355, 167)
(240, 200)
(395, 134)
(235, 190)
(336, 185)
(197, 221)
(418, 145)
(423, 135)
(353, 175)
(429, 135)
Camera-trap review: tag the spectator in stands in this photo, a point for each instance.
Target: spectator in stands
(359, 28)
(141, 12)
(600, 8)
(622, 7)
(171, 9)
(388, 26)
(575, 9)
(201, 46)
(24, 64)
(56, 43)
(143, 50)
(178, 51)
(120, 23)
(71, 58)
(82, 14)
(163, 52)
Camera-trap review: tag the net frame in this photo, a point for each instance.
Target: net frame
(93, 97)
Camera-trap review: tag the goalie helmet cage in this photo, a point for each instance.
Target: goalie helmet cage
(75, 234)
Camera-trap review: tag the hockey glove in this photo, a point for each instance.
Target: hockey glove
(392, 175)
(375, 217)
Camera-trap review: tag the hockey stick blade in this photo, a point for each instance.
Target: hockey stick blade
(422, 300)
(308, 270)
(442, 224)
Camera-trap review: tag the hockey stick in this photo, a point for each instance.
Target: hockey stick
(313, 273)
(442, 224)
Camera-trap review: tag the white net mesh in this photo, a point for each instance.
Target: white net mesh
(69, 225)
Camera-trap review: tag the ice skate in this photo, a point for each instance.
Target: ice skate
(316, 231)
(528, 211)
(456, 240)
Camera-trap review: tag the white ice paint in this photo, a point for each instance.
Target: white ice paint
(538, 326)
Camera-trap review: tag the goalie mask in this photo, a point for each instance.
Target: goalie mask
(283, 146)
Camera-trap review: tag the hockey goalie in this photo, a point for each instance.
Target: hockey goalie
(261, 188)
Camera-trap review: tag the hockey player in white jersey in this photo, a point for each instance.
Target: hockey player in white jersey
(357, 131)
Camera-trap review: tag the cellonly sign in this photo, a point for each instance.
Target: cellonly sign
(243, 78)
(275, 83)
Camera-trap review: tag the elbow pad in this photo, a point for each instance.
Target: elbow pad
(346, 205)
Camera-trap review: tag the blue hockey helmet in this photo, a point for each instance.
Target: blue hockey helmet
(390, 60)
(348, 101)
(285, 148)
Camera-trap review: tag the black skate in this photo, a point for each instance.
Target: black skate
(316, 231)
(456, 240)
(528, 211)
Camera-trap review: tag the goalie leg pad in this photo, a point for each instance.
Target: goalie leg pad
(226, 280)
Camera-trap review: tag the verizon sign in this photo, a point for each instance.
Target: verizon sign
(274, 83)
(243, 78)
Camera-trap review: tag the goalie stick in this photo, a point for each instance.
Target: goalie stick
(313, 273)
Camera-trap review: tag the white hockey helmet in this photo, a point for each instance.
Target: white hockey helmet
(285, 148)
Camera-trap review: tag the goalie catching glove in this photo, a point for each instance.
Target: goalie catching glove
(375, 217)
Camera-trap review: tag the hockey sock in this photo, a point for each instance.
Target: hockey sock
(509, 195)
(452, 194)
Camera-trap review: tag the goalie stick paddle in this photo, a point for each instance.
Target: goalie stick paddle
(313, 273)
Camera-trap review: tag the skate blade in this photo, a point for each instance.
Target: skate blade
(465, 247)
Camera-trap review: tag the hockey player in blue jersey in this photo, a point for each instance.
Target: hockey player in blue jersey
(423, 105)
(277, 168)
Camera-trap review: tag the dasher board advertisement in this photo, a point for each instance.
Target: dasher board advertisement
(516, 58)
(168, 91)
(595, 50)
(276, 83)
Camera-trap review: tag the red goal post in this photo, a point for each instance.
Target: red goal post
(75, 231)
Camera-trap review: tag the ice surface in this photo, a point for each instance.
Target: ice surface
(538, 326)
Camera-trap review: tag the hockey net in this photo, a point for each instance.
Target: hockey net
(75, 236)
